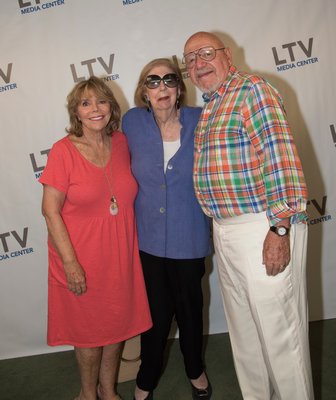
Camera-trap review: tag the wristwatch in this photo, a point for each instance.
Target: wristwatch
(280, 230)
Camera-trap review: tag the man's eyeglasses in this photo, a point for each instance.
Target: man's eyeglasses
(153, 81)
(205, 53)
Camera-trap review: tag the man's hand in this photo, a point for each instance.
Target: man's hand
(276, 253)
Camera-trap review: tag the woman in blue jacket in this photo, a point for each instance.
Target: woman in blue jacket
(173, 231)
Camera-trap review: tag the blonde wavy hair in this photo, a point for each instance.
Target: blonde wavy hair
(102, 91)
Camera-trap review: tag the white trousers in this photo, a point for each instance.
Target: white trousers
(266, 315)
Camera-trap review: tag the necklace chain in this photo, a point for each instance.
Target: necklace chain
(113, 202)
(113, 205)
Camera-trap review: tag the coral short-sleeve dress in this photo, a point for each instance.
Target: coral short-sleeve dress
(115, 306)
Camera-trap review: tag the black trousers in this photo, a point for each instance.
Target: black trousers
(173, 288)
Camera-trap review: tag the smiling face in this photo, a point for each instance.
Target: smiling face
(162, 97)
(208, 75)
(93, 112)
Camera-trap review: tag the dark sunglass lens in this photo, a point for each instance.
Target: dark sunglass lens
(170, 80)
(153, 81)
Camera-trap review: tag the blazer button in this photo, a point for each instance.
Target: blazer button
(169, 166)
(162, 210)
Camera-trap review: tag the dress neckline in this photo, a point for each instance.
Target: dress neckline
(88, 161)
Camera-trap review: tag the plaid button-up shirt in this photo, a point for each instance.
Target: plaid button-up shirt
(245, 158)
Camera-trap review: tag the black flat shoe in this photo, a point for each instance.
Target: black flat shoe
(201, 394)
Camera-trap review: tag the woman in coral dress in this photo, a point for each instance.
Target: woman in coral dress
(96, 297)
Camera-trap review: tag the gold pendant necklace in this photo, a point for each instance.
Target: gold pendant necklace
(113, 204)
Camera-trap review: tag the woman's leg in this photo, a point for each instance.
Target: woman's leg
(88, 360)
(98, 363)
(186, 281)
(153, 342)
(108, 371)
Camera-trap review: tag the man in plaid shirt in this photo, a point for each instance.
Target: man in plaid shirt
(248, 177)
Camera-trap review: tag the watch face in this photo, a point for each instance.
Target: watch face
(282, 231)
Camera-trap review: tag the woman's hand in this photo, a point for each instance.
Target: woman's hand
(75, 276)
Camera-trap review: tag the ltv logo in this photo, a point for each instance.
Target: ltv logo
(37, 167)
(21, 240)
(6, 76)
(294, 54)
(10, 240)
(320, 207)
(24, 4)
(93, 65)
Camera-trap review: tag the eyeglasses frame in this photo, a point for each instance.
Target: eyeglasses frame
(197, 55)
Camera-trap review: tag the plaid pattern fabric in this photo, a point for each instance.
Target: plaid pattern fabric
(245, 158)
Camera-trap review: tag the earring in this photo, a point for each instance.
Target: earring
(149, 106)
(177, 104)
